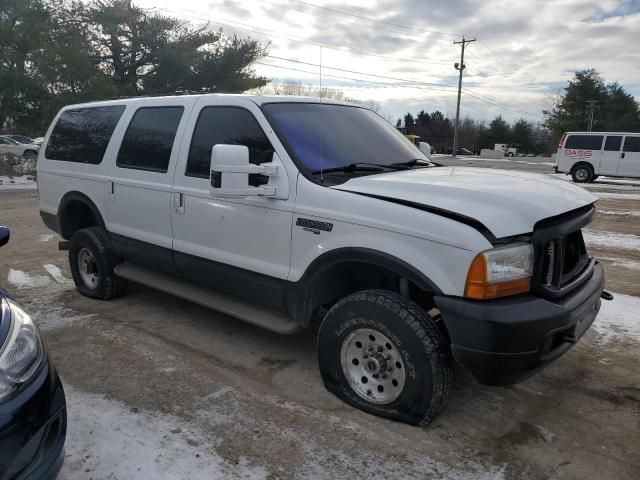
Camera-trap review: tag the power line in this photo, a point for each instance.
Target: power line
(360, 73)
(273, 34)
(333, 13)
(373, 20)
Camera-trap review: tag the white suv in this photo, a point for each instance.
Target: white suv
(285, 211)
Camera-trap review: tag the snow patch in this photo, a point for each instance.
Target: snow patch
(107, 439)
(618, 320)
(17, 183)
(622, 262)
(46, 237)
(56, 273)
(622, 213)
(58, 317)
(618, 196)
(616, 240)
(20, 279)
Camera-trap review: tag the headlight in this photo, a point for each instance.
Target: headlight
(22, 352)
(500, 272)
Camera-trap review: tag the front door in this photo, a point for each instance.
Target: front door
(610, 156)
(240, 246)
(630, 161)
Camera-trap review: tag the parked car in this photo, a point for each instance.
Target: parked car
(461, 151)
(265, 208)
(33, 416)
(8, 145)
(586, 155)
(20, 139)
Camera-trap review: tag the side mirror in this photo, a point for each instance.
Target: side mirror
(230, 170)
(5, 233)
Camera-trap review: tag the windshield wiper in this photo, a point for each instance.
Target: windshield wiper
(362, 167)
(416, 162)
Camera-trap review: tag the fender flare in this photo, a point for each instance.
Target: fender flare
(82, 198)
(299, 301)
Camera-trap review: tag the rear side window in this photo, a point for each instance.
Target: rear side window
(613, 143)
(228, 126)
(632, 144)
(148, 142)
(82, 135)
(584, 142)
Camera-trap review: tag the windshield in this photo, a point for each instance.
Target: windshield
(324, 136)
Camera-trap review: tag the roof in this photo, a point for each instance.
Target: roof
(602, 133)
(257, 99)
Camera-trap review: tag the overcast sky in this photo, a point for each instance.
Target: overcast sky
(526, 50)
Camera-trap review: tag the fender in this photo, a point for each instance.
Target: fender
(299, 296)
(82, 198)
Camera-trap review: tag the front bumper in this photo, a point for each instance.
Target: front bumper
(33, 428)
(506, 341)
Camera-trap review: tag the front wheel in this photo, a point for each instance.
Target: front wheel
(30, 154)
(380, 352)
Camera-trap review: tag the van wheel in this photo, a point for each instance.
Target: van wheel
(379, 352)
(582, 173)
(92, 262)
(510, 154)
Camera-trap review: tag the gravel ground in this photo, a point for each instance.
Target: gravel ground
(161, 388)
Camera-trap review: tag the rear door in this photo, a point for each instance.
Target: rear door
(610, 161)
(630, 161)
(140, 178)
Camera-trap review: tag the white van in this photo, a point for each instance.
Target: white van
(586, 155)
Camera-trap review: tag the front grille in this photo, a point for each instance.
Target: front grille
(563, 261)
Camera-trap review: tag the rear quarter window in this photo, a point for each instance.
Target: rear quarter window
(584, 142)
(632, 144)
(81, 135)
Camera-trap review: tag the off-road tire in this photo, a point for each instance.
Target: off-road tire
(109, 285)
(582, 173)
(422, 344)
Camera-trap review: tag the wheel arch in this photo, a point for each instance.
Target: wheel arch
(343, 271)
(77, 211)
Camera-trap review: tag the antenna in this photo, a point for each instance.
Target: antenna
(321, 143)
(320, 73)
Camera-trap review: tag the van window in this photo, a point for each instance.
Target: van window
(82, 134)
(149, 139)
(584, 142)
(228, 126)
(632, 144)
(613, 143)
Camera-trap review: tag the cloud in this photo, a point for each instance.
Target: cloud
(526, 50)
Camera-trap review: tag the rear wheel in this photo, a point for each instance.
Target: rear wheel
(30, 154)
(92, 262)
(582, 173)
(381, 353)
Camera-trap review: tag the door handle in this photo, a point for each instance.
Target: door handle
(178, 203)
(112, 191)
(622, 156)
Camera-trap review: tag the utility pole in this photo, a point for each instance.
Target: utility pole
(459, 66)
(591, 105)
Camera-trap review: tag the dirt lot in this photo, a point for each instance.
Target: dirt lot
(161, 388)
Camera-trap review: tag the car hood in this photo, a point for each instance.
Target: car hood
(505, 201)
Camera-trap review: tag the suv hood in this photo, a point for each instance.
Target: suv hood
(504, 201)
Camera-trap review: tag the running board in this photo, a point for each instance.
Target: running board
(262, 317)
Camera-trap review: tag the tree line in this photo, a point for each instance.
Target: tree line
(57, 52)
(474, 135)
(614, 110)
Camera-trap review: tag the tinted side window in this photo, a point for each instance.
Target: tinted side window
(584, 142)
(149, 138)
(82, 135)
(632, 144)
(229, 126)
(4, 141)
(612, 144)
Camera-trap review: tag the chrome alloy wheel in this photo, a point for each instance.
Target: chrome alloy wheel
(88, 268)
(373, 366)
